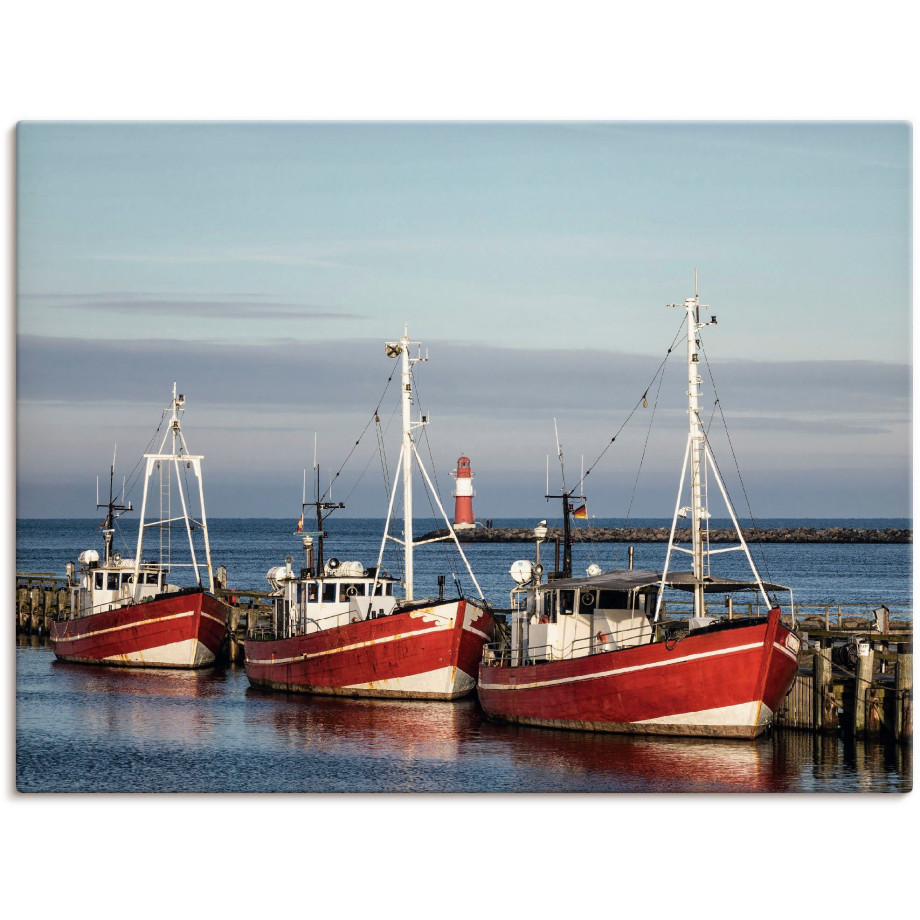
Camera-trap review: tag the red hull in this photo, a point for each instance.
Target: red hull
(428, 653)
(725, 683)
(172, 631)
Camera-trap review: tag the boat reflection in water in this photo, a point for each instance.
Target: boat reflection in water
(625, 763)
(427, 730)
(475, 755)
(141, 706)
(101, 679)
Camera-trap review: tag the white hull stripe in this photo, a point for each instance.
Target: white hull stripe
(786, 651)
(753, 713)
(441, 680)
(615, 671)
(110, 629)
(347, 648)
(183, 654)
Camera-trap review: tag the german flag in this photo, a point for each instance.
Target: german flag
(299, 525)
(580, 514)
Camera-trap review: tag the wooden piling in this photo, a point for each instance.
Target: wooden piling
(861, 688)
(903, 728)
(822, 690)
(23, 606)
(233, 624)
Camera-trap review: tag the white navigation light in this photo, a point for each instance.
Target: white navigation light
(521, 571)
(594, 570)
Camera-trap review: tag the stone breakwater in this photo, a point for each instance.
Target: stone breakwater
(660, 535)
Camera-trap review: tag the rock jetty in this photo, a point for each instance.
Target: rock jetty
(660, 535)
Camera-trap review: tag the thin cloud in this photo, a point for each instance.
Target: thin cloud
(212, 309)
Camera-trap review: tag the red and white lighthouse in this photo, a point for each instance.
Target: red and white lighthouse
(463, 495)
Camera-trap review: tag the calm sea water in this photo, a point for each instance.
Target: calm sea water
(89, 729)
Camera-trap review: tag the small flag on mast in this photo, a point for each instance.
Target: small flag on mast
(299, 525)
(581, 513)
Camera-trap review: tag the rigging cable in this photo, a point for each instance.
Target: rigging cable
(641, 400)
(718, 402)
(448, 548)
(374, 415)
(386, 473)
(131, 481)
(648, 435)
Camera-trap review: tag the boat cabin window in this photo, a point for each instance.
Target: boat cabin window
(112, 581)
(613, 600)
(548, 613)
(353, 590)
(127, 578)
(378, 591)
(312, 592)
(99, 580)
(151, 578)
(329, 592)
(567, 602)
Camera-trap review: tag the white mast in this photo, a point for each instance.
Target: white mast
(408, 452)
(407, 363)
(700, 459)
(697, 442)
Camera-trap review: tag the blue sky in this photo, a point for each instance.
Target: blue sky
(263, 265)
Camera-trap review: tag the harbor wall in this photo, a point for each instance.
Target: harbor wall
(661, 535)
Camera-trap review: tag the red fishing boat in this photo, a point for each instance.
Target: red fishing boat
(338, 628)
(123, 611)
(596, 653)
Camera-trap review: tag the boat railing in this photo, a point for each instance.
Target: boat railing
(858, 615)
(500, 654)
(311, 624)
(80, 611)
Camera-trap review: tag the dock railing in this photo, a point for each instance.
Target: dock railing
(880, 617)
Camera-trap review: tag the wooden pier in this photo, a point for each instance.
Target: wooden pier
(875, 698)
(39, 597)
(855, 665)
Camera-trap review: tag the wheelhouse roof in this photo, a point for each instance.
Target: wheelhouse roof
(636, 579)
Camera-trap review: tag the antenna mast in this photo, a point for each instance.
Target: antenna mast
(320, 507)
(566, 497)
(113, 511)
